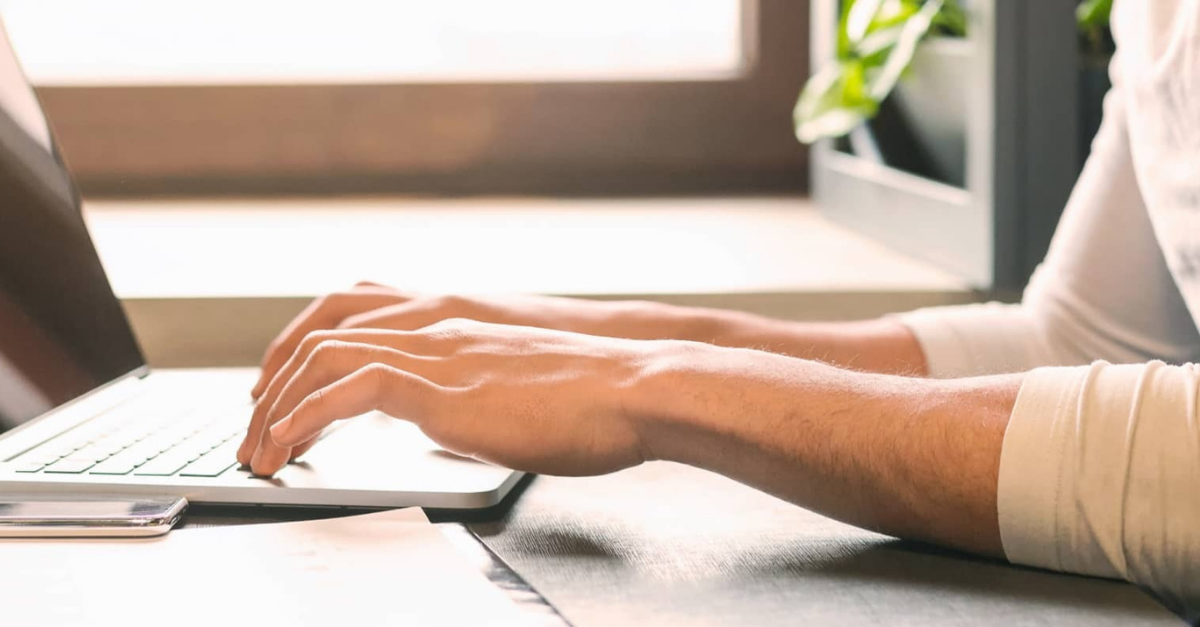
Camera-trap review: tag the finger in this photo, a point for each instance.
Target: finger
(329, 362)
(407, 316)
(323, 313)
(267, 398)
(374, 284)
(375, 387)
(304, 447)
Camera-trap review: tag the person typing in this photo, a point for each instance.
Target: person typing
(1062, 432)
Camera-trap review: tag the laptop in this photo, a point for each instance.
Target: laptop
(82, 413)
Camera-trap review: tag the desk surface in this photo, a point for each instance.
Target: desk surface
(664, 544)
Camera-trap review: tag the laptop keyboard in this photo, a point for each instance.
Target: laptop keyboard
(198, 444)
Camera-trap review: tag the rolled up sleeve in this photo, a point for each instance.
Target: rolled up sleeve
(1100, 475)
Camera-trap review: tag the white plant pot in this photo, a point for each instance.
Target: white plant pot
(932, 99)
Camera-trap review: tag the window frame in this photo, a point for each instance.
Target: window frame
(731, 134)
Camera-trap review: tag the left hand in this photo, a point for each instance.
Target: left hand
(374, 306)
(530, 399)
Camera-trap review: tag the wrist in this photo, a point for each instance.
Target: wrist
(650, 320)
(718, 327)
(692, 399)
(739, 329)
(695, 403)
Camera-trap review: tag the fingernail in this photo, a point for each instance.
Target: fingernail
(280, 429)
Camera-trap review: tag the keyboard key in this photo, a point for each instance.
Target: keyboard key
(188, 452)
(39, 456)
(69, 446)
(113, 466)
(214, 463)
(164, 466)
(139, 453)
(46, 453)
(109, 447)
(157, 444)
(69, 467)
(89, 454)
(28, 466)
(204, 442)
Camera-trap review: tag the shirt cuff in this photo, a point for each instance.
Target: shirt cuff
(1099, 473)
(973, 340)
(1031, 459)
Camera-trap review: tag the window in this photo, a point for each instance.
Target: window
(451, 96)
(152, 42)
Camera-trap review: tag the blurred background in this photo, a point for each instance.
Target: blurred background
(790, 157)
(455, 96)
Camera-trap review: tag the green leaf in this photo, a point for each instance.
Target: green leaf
(952, 20)
(875, 47)
(893, 13)
(1093, 14)
(898, 61)
(859, 18)
(876, 43)
(833, 103)
(843, 40)
(854, 84)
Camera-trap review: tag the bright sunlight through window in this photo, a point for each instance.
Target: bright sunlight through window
(153, 42)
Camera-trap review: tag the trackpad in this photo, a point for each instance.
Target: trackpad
(377, 452)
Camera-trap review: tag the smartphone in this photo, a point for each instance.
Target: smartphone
(45, 516)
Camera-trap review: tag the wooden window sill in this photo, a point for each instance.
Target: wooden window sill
(208, 281)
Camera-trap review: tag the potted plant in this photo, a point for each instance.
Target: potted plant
(892, 93)
(879, 42)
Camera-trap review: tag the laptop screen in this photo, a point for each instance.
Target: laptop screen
(62, 331)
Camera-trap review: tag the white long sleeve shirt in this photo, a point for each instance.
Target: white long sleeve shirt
(1100, 468)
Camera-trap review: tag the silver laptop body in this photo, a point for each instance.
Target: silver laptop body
(81, 412)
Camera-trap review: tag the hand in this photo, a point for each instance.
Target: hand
(530, 399)
(374, 306)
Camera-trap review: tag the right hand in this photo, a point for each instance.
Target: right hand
(524, 398)
(375, 306)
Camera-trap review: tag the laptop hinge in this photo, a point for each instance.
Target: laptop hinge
(71, 414)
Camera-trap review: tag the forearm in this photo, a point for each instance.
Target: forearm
(913, 458)
(883, 346)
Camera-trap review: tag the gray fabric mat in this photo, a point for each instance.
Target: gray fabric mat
(664, 544)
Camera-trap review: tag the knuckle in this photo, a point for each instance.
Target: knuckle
(455, 323)
(330, 301)
(376, 374)
(328, 349)
(449, 330)
(350, 322)
(451, 303)
(376, 377)
(314, 339)
(315, 398)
